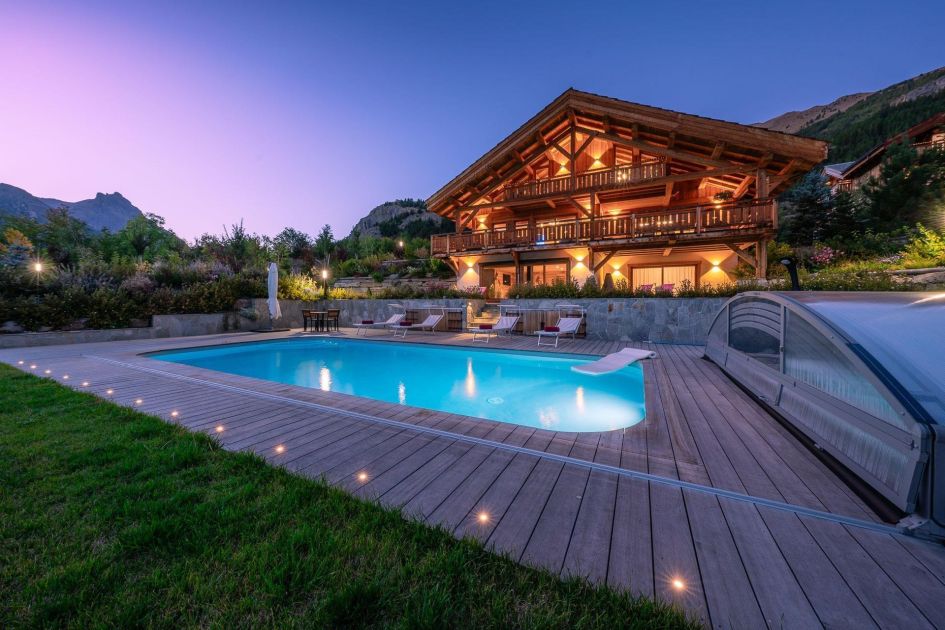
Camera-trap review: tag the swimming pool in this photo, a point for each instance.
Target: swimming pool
(527, 388)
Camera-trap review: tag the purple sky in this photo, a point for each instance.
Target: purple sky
(294, 114)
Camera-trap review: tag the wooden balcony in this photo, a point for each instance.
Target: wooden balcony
(603, 179)
(708, 221)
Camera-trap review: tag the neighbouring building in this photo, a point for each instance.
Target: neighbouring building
(596, 186)
(849, 176)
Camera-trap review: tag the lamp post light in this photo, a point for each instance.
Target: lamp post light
(791, 267)
(325, 282)
(38, 266)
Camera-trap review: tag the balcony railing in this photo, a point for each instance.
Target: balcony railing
(700, 220)
(610, 178)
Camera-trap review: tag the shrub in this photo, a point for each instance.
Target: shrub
(925, 249)
(299, 286)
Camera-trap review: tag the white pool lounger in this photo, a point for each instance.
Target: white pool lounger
(613, 362)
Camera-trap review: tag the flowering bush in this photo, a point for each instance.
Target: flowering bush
(823, 256)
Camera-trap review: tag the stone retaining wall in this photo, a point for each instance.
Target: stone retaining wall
(161, 326)
(660, 320)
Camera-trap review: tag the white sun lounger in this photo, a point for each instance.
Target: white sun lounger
(430, 322)
(565, 326)
(505, 325)
(614, 361)
(393, 320)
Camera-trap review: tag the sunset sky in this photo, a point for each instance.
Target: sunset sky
(300, 114)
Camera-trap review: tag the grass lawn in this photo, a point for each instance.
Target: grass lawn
(109, 517)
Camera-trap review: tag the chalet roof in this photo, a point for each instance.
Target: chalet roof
(837, 170)
(737, 139)
(869, 159)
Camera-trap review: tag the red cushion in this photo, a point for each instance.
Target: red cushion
(552, 329)
(406, 323)
(367, 321)
(485, 326)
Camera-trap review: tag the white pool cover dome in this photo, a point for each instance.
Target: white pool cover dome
(860, 374)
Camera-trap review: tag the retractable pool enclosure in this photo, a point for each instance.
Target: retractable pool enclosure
(860, 374)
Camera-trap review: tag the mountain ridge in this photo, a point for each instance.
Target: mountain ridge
(855, 123)
(110, 211)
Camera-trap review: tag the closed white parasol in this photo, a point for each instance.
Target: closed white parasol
(274, 311)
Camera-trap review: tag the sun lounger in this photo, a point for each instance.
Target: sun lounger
(614, 361)
(429, 323)
(565, 326)
(505, 325)
(368, 324)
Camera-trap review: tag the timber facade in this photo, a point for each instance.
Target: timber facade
(595, 186)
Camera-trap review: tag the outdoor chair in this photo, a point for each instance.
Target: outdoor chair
(506, 324)
(332, 318)
(429, 323)
(369, 324)
(565, 326)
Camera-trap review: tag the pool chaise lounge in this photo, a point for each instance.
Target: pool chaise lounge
(505, 325)
(429, 323)
(393, 320)
(565, 326)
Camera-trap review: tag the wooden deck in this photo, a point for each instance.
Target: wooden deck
(709, 490)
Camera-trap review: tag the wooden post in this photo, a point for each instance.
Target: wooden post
(761, 260)
(761, 184)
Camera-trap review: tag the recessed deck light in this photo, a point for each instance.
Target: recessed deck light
(362, 477)
(138, 401)
(33, 367)
(678, 584)
(109, 391)
(19, 362)
(280, 449)
(174, 414)
(85, 383)
(483, 517)
(47, 371)
(219, 428)
(65, 377)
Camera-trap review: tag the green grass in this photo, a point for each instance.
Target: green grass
(109, 517)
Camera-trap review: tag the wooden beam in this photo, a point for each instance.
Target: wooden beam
(518, 266)
(761, 258)
(742, 255)
(469, 217)
(743, 186)
(717, 151)
(668, 195)
(761, 184)
(583, 146)
(667, 251)
(599, 265)
(588, 213)
(567, 154)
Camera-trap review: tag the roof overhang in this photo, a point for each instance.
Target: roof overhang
(710, 139)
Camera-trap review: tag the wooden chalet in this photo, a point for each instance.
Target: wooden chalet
(598, 186)
(849, 176)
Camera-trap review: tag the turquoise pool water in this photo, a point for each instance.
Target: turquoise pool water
(527, 388)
